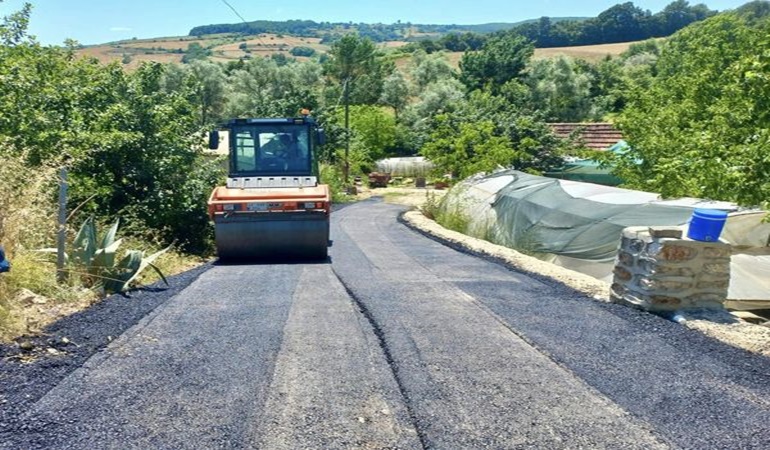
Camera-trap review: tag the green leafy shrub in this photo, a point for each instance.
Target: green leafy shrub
(302, 51)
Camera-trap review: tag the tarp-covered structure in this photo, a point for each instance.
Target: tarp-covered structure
(589, 170)
(578, 225)
(408, 166)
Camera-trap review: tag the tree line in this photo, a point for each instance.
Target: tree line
(623, 22)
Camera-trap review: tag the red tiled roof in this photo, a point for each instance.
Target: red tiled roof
(596, 136)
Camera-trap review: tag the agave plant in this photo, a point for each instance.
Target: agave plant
(94, 259)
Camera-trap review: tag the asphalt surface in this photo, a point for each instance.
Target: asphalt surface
(396, 342)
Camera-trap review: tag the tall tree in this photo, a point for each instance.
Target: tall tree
(353, 66)
(429, 68)
(13, 29)
(395, 92)
(265, 89)
(501, 59)
(560, 90)
(701, 127)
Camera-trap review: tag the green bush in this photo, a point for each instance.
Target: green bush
(302, 51)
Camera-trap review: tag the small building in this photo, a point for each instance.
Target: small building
(594, 136)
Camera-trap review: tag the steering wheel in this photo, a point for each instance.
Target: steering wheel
(276, 163)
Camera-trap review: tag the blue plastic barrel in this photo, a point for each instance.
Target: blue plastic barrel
(706, 224)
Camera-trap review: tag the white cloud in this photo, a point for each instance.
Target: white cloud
(120, 29)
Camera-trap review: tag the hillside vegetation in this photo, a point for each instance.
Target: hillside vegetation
(619, 24)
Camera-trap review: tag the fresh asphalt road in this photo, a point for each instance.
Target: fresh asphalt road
(401, 342)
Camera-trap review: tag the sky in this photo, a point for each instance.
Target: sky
(99, 21)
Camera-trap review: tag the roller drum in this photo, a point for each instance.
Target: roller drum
(272, 236)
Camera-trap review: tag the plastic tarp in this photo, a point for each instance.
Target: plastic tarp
(585, 170)
(411, 166)
(589, 170)
(578, 225)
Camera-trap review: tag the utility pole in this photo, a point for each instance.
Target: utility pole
(347, 130)
(61, 274)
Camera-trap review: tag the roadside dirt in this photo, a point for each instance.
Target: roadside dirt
(719, 325)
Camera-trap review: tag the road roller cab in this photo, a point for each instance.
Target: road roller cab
(273, 205)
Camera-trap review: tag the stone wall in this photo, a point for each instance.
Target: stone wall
(657, 270)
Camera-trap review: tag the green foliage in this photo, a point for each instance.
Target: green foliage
(195, 52)
(372, 136)
(700, 128)
(501, 59)
(560, 90)
(203, 84)
(450, 217)
(454, 220)
(430, 208)
(426, 69)
(464, 149)
(355, 70)
(622, 22)
(331, 175)
(133, 145)
(92, 259)
(373, 131)
(13, 29)
(302, 51)
(265, 89)
(484, 133)
(395, 92)
(439, 97)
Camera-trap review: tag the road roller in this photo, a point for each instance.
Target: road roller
(273, 206)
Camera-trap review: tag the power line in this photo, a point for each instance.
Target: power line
(259, 39)
(235, 11)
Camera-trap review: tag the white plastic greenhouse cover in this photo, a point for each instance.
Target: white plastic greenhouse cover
(578, 225)
(410, 166)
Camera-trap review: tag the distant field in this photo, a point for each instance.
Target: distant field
(107, 54)
(591, 53)
(224, 47)
(265, 45)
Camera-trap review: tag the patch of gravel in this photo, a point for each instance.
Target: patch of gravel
(33, 365)
(719, 325)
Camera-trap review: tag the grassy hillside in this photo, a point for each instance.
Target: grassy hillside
(224, 47)
(229, 47)
(592, 53)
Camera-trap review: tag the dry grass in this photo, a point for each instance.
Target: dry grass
(25, 225)
(454, 58)
(224, 48)
(266, 45)
(30, 297)
(392, 44)
(592, 53)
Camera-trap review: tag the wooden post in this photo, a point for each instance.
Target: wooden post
(61, 274)
(346, 169)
